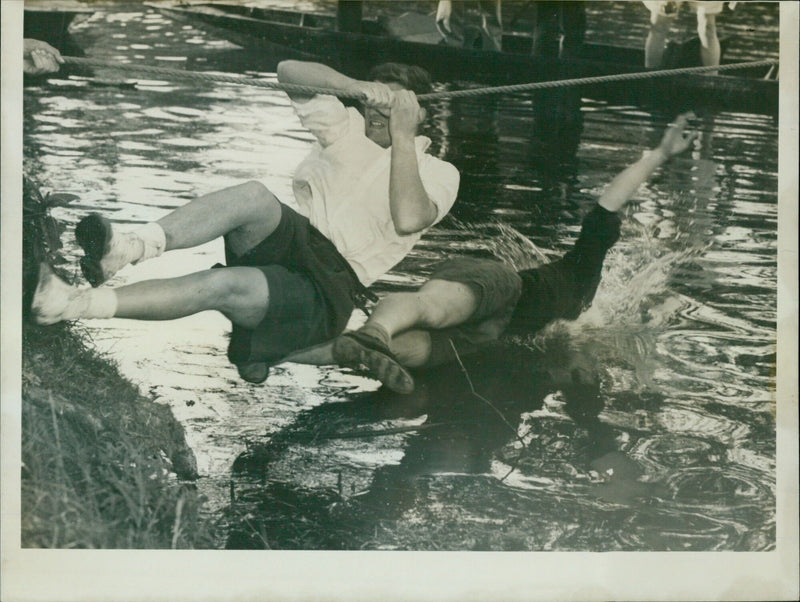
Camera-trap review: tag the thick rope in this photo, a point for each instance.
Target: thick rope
(244, 80)
(599, 79)
(223, 78)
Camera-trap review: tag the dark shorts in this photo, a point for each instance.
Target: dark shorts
(524, 302)
(496, 286)
(312, 292)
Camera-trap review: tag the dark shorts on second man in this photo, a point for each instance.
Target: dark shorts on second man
(524, 302)
(312, 292)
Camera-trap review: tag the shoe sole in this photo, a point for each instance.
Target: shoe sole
(350, 353)
(253, 375)
(93, 234)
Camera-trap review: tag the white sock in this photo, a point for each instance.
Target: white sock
(154, 239)
(377, 331)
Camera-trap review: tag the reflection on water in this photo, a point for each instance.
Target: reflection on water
(666, 441)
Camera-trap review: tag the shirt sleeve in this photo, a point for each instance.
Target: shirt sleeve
(327, 118)
(440, 180)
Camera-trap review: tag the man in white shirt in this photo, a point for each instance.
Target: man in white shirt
(366, 193)
(468, 302)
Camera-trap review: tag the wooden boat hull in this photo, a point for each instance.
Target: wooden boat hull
(291, 34)
(52, 26)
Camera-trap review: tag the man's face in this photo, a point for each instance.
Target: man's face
(376, 122)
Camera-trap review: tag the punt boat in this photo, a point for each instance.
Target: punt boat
(50, 23)
(412, 38)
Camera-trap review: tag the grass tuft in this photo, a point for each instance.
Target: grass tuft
(103, 466)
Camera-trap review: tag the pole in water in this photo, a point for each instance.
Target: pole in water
(348, 15)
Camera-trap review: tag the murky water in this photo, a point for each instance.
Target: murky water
(491, 455)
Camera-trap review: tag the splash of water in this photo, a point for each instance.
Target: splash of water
(633, 306)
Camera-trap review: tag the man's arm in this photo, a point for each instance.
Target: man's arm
(411, 207)
(624, 186)
(318, 75)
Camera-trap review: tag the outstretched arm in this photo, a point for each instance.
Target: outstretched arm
(318, 75)
(676, 140)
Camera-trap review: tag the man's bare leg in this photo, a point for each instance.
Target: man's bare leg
(247, 213)
(239, 293)
(437, 304)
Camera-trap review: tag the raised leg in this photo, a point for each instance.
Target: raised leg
(248, 213)
(411, 348)
(437, 304)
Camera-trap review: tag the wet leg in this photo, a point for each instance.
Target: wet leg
(411, 348)
(437, 304)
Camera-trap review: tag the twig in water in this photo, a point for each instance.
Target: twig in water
(483, 399)
(364, 433)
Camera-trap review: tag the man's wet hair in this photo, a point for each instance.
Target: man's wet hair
(410, 77)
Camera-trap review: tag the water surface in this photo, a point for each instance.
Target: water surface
(491, 454)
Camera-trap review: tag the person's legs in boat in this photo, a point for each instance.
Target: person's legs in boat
(709, 42)
(662, 16)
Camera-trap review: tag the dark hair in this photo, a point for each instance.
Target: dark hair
(410, 77)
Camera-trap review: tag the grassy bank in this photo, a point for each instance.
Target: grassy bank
(103, 467)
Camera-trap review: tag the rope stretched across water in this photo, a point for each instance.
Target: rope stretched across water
(244, 80)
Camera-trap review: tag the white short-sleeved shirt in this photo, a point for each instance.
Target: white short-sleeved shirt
(343, 187)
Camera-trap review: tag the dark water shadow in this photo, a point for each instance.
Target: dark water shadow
(472, 414)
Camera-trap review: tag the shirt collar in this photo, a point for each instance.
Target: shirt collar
(422, 143)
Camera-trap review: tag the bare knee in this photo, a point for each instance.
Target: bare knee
(241, 293)
(261, 212)
(261, 201)
(443, 303)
